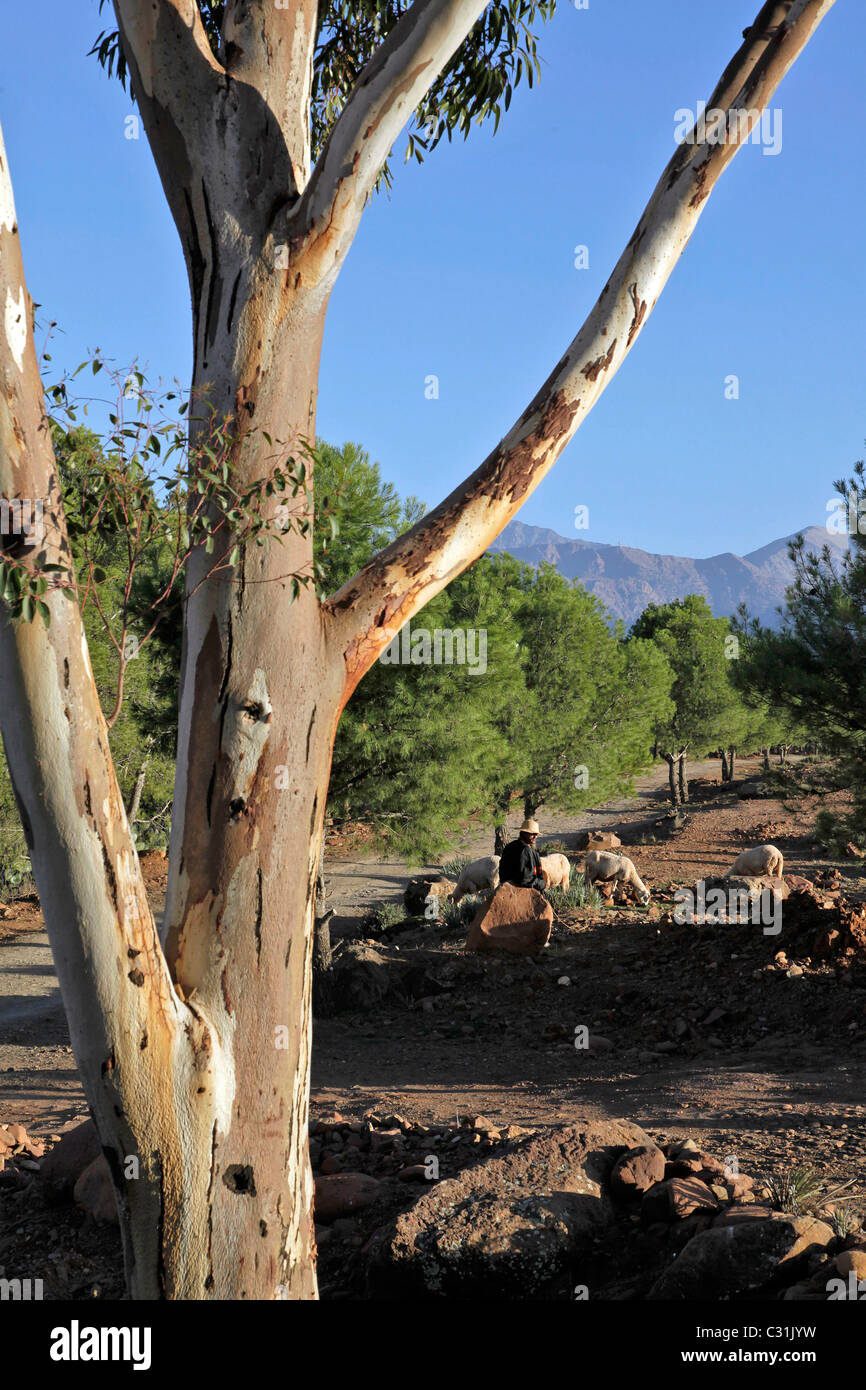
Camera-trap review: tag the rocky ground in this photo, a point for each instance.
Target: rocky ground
(749, 1045)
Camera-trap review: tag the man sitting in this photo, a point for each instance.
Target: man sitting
(521, 863)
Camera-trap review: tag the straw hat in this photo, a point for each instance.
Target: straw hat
(530, 827)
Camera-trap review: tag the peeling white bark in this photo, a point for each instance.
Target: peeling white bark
(398, 76)
(411, 571)
(7, 201)
(15, 325)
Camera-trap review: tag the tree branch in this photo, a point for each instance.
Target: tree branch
(367, 612)
(113, 976)
(396, 78)
(176, 79)
(272, 50)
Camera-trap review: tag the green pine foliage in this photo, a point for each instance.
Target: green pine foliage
(419, 749)
(705, 703)
(596, 695)
(808, 677)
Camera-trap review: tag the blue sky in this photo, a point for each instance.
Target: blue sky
(467, 272)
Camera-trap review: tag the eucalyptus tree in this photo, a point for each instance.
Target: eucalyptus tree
(271, 125)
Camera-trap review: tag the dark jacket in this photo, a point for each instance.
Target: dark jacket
(521, 864)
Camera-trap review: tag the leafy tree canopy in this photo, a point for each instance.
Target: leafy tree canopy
(705, 703)
(475, 86)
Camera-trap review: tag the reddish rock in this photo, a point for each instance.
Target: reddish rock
(63, 1166)
(508, 1227)
(416, 1172)
(676, 1198)
(740, 1187)
(382, 1139)
(637, 1171)
(514, 919)
(852, 1260)
(741, 1257)
(683, 1167)
(825, 943)
(94, 1194)
(344, 1193)
(735, 1215)
(711, 1168)
(797, 884)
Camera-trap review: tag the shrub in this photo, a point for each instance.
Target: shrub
(16, 873)
(795, 1190)
(577, 895)
(382, 916)
(455, 915)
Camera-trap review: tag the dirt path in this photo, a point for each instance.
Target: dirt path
(354, 884)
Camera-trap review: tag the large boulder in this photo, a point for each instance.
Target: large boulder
(514, 919)
(510, 1227)
(741, 1257)
(60, 1169)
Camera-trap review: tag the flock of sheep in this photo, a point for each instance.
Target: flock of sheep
(603, 866)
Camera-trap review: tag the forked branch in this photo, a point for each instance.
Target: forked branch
(368, 610)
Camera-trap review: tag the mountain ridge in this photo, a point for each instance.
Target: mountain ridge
(626, 579)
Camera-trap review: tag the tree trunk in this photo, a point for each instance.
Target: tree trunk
(673, 763)
(256, 726)
(731, 755)
(135, 803)
(500, 822)
(724, 758)
(682, 778)
(765, 759)
(323, 984)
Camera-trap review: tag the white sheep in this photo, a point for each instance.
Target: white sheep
(764, 859)
(601, 865)
(481, 874)
(558, 870)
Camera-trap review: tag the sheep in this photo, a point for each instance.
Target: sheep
(602, 865)
(558, 870)
(481, 874)
(764, 859)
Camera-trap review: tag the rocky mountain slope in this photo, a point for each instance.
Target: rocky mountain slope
(626, 579)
